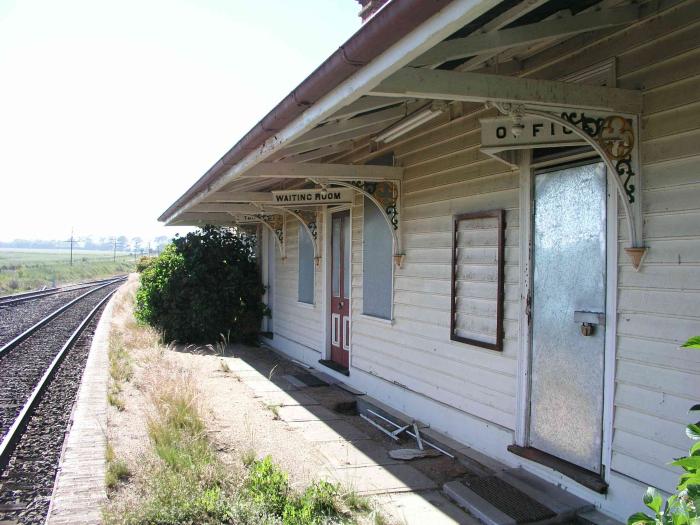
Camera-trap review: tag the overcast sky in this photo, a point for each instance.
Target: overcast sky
(110, 110)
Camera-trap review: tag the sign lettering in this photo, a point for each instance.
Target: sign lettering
(312, 197)
(497, 135)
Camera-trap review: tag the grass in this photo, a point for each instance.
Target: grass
(117, 470)
(275, 409)
(186, 482)
(180, 478)
(248, 457)
(22, 270)
(267, 487)
(120, 369)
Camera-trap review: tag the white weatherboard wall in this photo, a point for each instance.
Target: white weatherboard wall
(297, 326)
(469, 392)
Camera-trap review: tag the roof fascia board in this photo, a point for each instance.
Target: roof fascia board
(239, 196)
(310, 170)
(432, 31)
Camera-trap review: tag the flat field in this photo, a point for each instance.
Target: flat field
(24, 269)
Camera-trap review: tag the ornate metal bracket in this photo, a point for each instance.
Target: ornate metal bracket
(276, 223)
(616, 139)
(615, 135)
(309, 221)
(386, 196)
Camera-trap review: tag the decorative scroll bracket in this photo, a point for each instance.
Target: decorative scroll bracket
(309, 220)
(277, 224)
(274, 222)
(615, 138)
(386, 195)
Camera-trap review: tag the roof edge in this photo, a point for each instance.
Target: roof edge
(386, 27)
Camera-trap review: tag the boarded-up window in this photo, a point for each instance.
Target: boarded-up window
(306, 267)
(377, 277)
(477, 279)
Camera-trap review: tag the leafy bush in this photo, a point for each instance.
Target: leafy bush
(203, 285)
(683, 507)
(143, 263)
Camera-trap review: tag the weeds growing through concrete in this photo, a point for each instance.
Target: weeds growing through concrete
(117, 470)
(180, 478)
(275, 409)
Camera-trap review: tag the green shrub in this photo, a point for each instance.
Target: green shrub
(143, 263)
(268, 489)
(202, 285)
(267, 486)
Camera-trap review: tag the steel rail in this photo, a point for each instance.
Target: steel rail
(20, 423)
(29, 331)
(36, 294)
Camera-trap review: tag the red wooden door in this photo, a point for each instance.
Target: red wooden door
(340, 288)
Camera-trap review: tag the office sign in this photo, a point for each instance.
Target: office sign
(312, 197)
(497, 134)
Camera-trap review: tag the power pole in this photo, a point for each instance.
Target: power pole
(71, 246)
(114, 255)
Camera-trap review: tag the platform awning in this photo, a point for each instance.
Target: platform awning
(445, 61)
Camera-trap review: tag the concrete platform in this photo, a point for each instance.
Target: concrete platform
(356, 454)
(79, 491)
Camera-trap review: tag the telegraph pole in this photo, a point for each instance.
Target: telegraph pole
(71, 246)
(114, 254)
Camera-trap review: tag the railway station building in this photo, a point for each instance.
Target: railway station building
(485, 214)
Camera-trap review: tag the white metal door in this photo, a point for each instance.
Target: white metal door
(568, 313)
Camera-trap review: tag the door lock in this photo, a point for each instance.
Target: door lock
(587, 329)
(588, 321)
(341, 304)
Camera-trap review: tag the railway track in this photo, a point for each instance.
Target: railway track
(16, 317)
(8, 300)
(40, 372)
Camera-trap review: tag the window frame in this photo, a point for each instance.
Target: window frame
(499, 215)
(302, 231)
(390, 320)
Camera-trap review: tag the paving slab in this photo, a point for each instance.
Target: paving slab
(378, 479)
(308, 413)
(430, 507)
(343, 454)
(319, 431)
(237, 365)
(353, 458)
(260, 387)
(283, 399)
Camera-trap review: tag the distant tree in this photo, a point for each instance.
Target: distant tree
(89, 244)
(136, 243)
(122, 243)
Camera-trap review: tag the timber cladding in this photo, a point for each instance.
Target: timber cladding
(446, 174)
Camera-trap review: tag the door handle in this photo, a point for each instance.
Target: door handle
(341, 304)
(588, 321)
